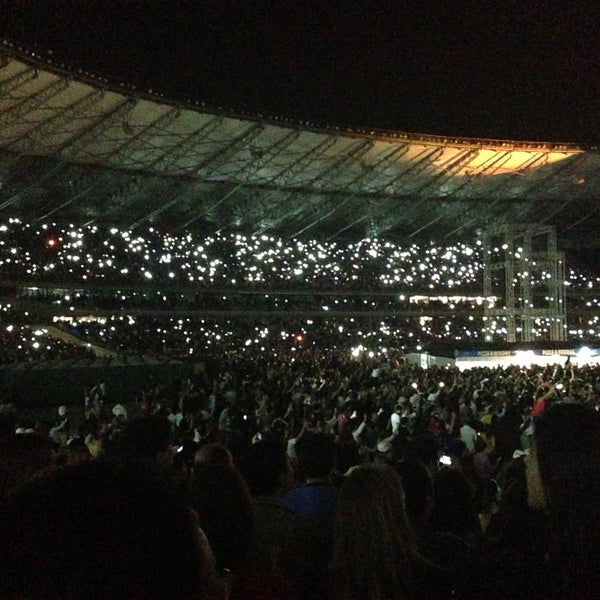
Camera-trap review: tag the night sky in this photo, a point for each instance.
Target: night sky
(517, 70)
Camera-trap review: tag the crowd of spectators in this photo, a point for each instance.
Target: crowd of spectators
(52, 253)
(23, 343)
(388, 480)
(304, 456)
(181, 337)
(166, 295)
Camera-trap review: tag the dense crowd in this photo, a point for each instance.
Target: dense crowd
(23, 343)
(304, 456)
(313, 475)
(176, 296)
(53, 253)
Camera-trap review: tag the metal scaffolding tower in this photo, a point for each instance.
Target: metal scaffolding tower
(524, 276)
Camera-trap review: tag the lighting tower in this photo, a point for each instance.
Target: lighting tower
(525, 274)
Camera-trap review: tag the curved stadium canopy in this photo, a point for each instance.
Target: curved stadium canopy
(77, 148)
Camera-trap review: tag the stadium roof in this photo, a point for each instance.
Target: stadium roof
(77, 148)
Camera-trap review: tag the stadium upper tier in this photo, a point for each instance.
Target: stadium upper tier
(77, 148)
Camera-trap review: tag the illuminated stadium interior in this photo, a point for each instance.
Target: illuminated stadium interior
(110, 195)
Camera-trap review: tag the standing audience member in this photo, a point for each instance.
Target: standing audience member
(445, 550)
(213, 453)
(468, 434)
(221, 499)
(146, 440)
(455, 509)
(284, 542)
(562, 473)
(148, 443)
(316, 497)
(549, 549)
(61, 430)
(102, 530)
(374, 551)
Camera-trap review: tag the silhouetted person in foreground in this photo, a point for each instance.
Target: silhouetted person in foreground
(102, 530)
(558, 558)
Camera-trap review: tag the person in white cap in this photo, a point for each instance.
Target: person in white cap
(120, 412)
(59, 434)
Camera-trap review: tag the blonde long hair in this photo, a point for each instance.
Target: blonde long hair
(373, 542)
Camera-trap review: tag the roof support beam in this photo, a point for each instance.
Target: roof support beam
(77, 144)
(321, 218)
(370, 169)
(353, 154)
(13, 83)
(81, 139)
(272, 151)
(35, 136)
(486, 169)
(170, 157)
(317, 150)
(179, 198)
(567, 166)
(282, 142)
(453, 165)
(139, 140)
(428, 156)
(535, 159)
(224, 152)
(320, 148)
(22, 106)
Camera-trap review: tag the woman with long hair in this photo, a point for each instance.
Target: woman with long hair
(374, 552)
(544, 541)
(563, 481)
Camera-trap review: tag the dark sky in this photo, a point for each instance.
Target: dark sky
(511, 69)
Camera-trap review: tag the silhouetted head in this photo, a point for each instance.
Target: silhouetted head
(101, 530)
(266, 468)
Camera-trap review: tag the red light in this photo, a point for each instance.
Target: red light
(51, 243)
(299, 337)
